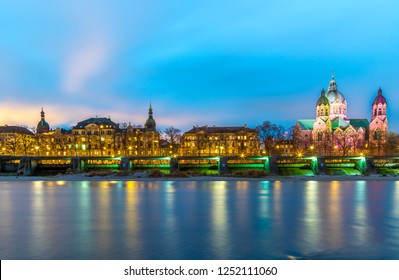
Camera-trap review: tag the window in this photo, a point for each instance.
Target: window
(377, 135)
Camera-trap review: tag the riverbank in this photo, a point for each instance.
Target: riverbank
(113, 177)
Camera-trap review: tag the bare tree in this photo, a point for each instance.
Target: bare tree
(12, 144)
(173, 136)
(269, 134)
(390, 147)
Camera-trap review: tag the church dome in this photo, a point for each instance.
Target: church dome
(380, 99)
(323, 100)
(333, 93)
(42, 126)
(150, 124)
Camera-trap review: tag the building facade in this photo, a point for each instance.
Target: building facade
(16, 140)
(333, 133)
(219, 141)
(90, 137)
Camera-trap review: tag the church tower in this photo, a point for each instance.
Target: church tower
(322, 107)
(42, 126)
(337, 101)
(379, 120)
(150, 124)
(322, 124)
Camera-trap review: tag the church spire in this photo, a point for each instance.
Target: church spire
(333, 85)
(42, 126)
(42, 114)
(150, 124)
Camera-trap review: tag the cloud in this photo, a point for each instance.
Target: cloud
(87, 59)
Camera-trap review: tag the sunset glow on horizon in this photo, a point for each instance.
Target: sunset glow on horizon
(204, 63)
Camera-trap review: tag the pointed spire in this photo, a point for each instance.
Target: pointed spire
(333, 84)
(150, 124)
(323, 92)
(42, 114)
(379, 91)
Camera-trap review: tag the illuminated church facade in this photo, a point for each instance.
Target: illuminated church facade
(333, 133)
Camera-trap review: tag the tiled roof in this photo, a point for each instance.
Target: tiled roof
(220, 129)
(15, 129)
(306, 124)
(359, 123)
(98, 121)
(339, 122)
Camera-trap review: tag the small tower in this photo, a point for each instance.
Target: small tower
(322, 106)
(150, 124)
(337, 101)
(379, 120)
(42, 126)
(322, 124)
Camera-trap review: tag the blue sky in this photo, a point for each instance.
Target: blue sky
(198, 62)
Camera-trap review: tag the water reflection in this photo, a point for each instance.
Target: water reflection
(312, 220)
(199, 220)
(360, 212)
(334, 215)
(219, 219)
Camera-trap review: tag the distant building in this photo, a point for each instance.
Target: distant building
(16, 140)
(284, 148)
(332, 133)
(103, 137)
(219, 141)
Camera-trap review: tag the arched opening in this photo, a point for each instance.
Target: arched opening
(377, 134)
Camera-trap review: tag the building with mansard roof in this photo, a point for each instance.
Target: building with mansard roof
(333, 133)
(219, 141)
(103, 137)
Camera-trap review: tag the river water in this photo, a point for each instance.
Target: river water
(199, 220)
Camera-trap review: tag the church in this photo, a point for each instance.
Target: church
(333, 133)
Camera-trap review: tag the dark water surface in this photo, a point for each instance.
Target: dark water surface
(199, 220)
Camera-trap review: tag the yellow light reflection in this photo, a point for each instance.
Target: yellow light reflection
(335, 213)
(312, 214)
(103, 214)
(219, 217)
(132, 190)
